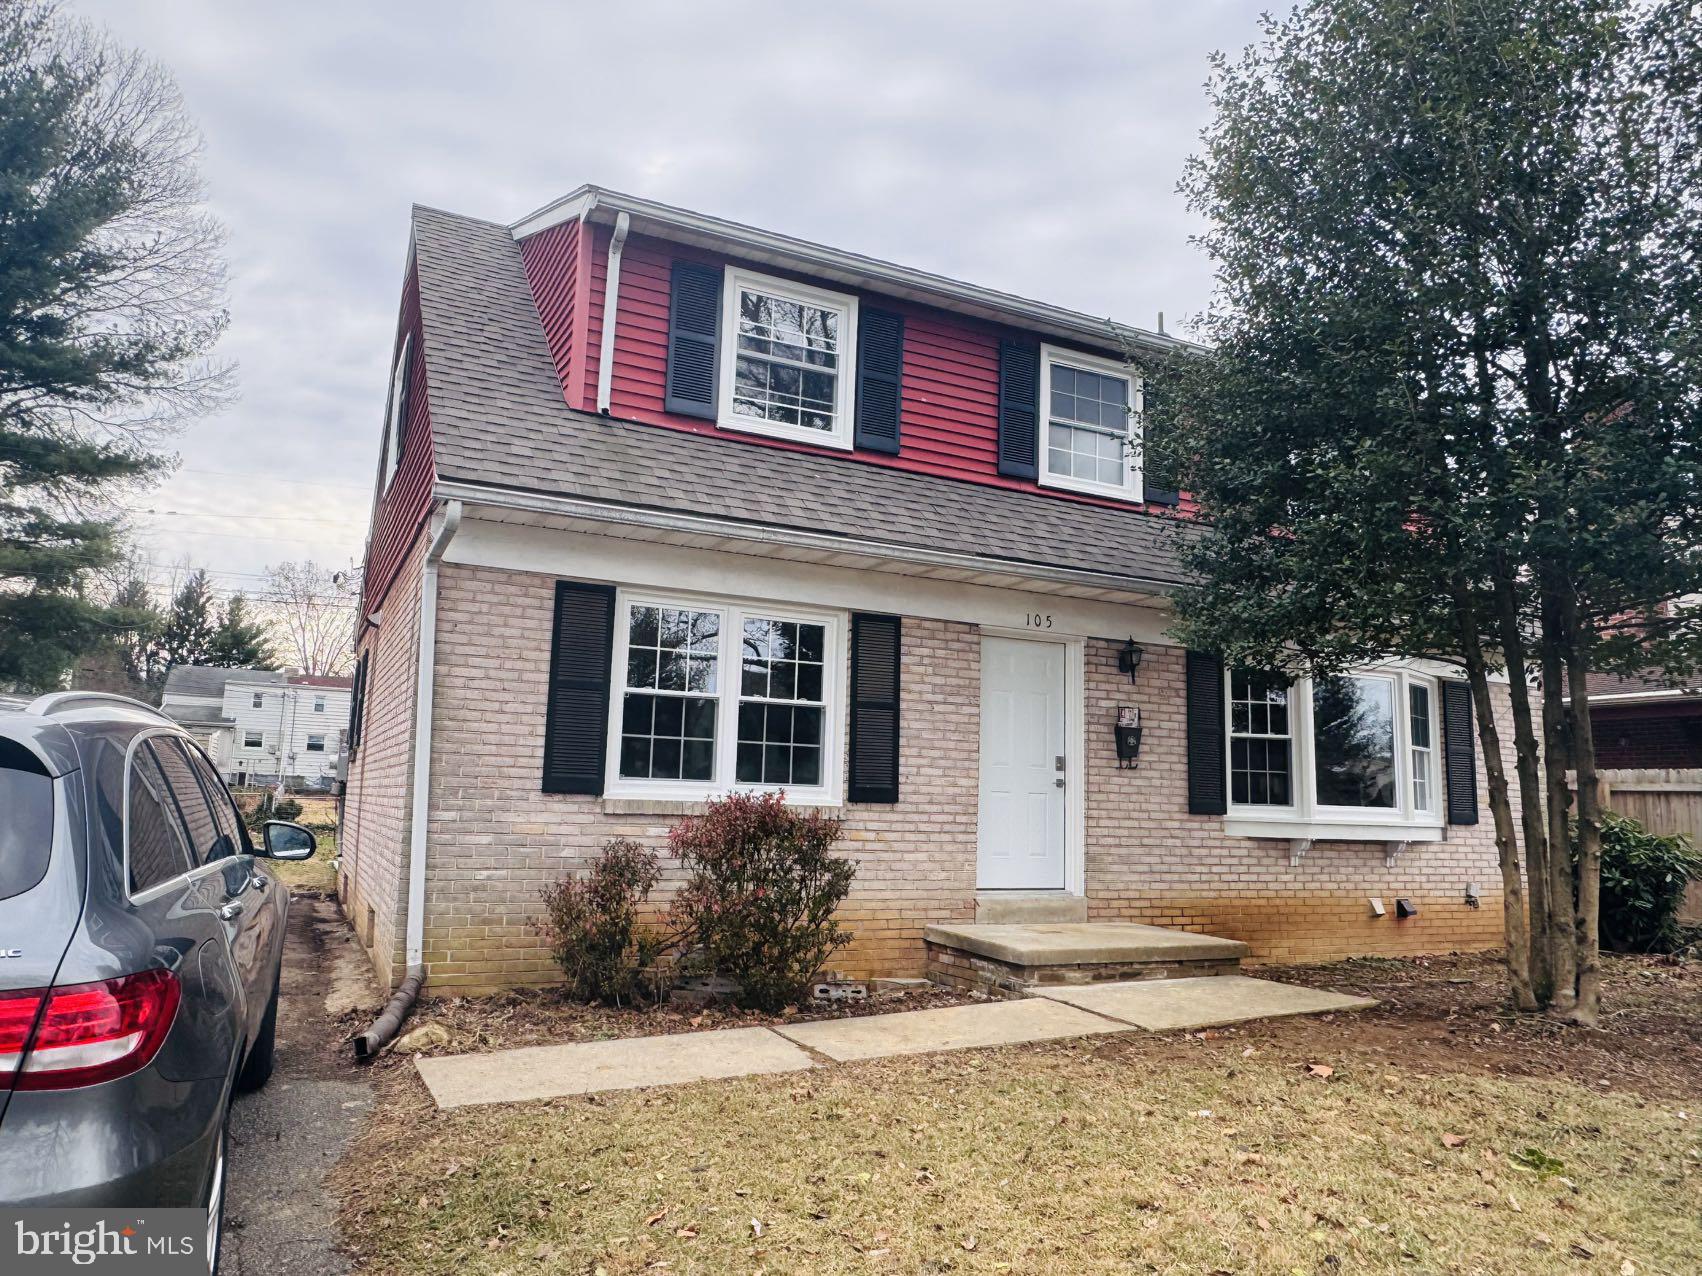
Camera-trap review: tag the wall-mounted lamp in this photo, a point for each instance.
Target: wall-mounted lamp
(1129, 659)
(1128, 730)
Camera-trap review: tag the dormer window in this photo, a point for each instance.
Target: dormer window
(787, 370)
(396, 410)
(1087, 426)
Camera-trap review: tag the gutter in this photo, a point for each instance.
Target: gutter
(611, 310)
(385, 1027)
(769, 534)
(852, 269)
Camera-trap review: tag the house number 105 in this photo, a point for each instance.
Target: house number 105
(1039, 620)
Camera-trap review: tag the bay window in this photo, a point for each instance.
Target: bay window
(786, 355)
(1355, 752)
(712, 697)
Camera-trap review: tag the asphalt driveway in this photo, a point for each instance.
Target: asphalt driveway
(279, 1218)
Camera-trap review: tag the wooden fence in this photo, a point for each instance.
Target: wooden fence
(1662, 802)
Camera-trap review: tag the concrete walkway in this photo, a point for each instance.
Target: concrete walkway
(1154, 1005)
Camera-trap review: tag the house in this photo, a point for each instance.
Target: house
(1649, 721)
(256, 723)
(668, 506)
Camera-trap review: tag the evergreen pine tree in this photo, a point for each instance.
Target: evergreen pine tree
(240, 642)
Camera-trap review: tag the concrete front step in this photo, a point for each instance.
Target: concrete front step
(1012, 959)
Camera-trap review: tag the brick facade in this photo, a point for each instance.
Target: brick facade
(372, 881)
(496, 839)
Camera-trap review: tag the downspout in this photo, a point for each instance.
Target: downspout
(611, 309)
(383, 1028)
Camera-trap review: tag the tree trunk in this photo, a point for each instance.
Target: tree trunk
(1562, 936)
(1587, 1010)
(1514, 928)
(1528, 763)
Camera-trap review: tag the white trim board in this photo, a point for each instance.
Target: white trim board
(651, 565)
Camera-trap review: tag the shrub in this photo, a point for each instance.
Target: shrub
(591, 922)
(272, 807)
(760, 900)
(1644, 876)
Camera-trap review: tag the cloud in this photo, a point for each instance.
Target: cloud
(1026, 147)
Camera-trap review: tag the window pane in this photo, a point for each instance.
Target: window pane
(1418, 706)
(157, 849)
(1353, 737)
(667, 737)
(1260, 757)
(786, 368)
(204, 843)
(780, 713)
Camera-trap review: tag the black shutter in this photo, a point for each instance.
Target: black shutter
(876, 644)
(694, 328)
(1206, 790)
(1019, 409)
(1156, 482)
(880, 373)
(577, 719)
(357, 703)
(1459, 751)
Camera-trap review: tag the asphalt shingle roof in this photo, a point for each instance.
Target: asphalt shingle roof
(498, 417)
(209, 680)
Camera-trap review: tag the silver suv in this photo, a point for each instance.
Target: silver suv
(140, 940)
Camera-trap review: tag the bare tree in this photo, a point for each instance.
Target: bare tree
(311, 611)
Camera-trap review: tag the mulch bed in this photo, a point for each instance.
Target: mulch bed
(545, 1016)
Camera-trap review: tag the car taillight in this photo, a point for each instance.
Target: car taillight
(57, 1038)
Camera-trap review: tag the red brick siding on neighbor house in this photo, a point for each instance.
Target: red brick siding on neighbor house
(949, 423)
(496, 839)
(401, 510)
(1662, 735)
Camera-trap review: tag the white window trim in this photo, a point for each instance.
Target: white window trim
(733, 612)
(845, 403)
(1309, 818)
(319, 704)
(312, 736)
(1134, 489)
(392, 411)
(247, 733)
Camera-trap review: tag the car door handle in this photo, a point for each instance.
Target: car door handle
(231, 911)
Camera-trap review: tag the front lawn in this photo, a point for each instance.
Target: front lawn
(1304, 1146)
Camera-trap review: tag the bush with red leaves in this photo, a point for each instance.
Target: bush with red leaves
(764, 885)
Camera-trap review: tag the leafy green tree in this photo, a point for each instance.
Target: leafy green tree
(240, 642)
(1453, 405)
(109, 306)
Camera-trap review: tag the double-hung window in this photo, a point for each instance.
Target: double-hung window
(316, 743)
(1353, 750)
(1088, 413)
(253, 740)
(713, 697)
(787, 355)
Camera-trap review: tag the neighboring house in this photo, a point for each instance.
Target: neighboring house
(1645, 722)
(256, 724)
(669, 506)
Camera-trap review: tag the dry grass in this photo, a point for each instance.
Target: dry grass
(315, 874)
(1198, 1154)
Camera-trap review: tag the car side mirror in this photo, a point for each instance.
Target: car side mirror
(287, 841)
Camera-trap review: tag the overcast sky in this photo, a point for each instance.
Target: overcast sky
(1029, 147)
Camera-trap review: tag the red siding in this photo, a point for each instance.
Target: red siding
(951, 363)
(402, 509)
(1661, 734)
(551, 259)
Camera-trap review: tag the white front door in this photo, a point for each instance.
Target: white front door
(1022, 765)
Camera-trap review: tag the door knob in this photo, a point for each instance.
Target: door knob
(1059, 782)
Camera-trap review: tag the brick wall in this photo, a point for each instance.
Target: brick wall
(496, 839)
(1662, 736)
(1148, 860)
(376, 809)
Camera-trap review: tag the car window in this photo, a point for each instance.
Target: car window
(26, 828)
(206, 843)
(154, 831)
(231, 830)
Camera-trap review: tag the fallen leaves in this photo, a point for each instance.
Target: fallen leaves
(1322, 1071)
(1453, 1140)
